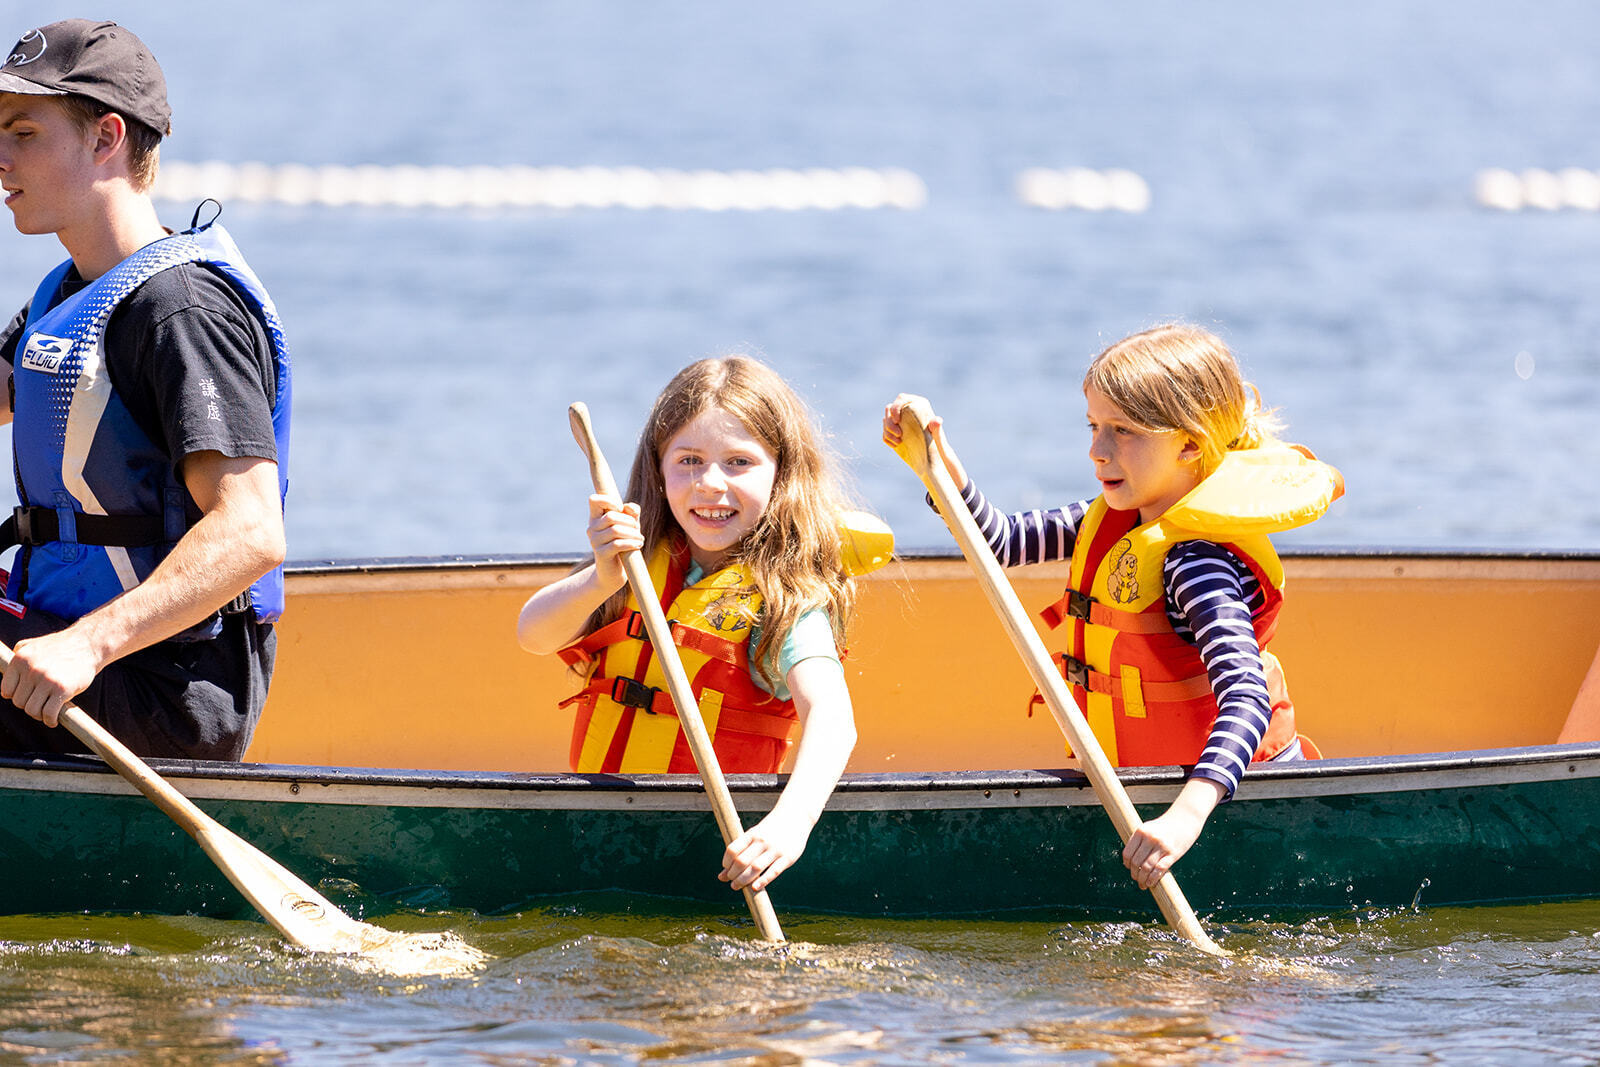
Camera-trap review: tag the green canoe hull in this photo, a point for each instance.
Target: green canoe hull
(1513, 825)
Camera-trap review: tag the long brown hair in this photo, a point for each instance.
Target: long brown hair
(794, 553)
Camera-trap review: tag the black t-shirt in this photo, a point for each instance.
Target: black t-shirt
(190, 360)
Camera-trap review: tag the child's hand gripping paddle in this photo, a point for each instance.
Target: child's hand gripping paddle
(694, 728)
(917, 449)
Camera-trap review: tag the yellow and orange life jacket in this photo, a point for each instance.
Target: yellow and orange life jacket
(1143, 688)
(626, 722)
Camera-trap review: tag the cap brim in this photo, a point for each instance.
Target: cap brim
(10, 83)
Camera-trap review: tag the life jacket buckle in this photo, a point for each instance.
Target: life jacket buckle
(1074, 670)
(1079, 605)
(22, 521)
(635, 628)
(632, 693)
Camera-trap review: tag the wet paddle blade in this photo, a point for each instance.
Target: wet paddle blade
(300, 913)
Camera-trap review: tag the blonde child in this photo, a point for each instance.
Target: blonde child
(1174, 587)
(732, 503)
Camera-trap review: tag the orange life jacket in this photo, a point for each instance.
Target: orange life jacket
(1143, 688)
(626, 722)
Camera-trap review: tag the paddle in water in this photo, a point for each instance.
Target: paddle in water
(694, 728)
(918, 450)
(300, 913)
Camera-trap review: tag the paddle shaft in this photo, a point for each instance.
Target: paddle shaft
(694, 727)
(920, 453)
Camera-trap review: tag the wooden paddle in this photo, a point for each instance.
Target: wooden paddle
(299, 912)
(917, 449)
(655, 623)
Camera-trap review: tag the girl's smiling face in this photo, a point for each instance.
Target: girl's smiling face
(718, 479)
(1140, 470)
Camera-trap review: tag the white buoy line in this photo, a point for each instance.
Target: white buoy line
(778, 189)
(1571, 187)
(1082, 189)
(560, 188)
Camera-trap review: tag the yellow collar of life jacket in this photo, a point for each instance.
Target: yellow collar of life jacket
(1258, 491)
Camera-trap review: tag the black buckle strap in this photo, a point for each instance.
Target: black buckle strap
(632, 693)
(1074, 670)
(636, 629)
(1078, 605)
(42, 526)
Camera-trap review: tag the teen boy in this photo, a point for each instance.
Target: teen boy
(149, 401)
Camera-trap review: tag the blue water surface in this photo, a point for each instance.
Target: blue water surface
(1311, 174)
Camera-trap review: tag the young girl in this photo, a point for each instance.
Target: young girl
(732, 503)
(1174, 587)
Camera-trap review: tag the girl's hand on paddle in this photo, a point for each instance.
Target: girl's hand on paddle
(613, 531)
(763, 852)
(1161, 842)
(894, 433)
(827, 737)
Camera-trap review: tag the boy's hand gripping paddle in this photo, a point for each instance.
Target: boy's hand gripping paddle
(917, 449)
(694, 728)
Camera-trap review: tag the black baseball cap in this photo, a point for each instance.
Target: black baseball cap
(99, 60)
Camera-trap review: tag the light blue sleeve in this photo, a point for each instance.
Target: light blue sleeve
(811, 638)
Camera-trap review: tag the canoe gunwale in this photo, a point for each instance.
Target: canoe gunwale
(381, 564)
(1261, 778)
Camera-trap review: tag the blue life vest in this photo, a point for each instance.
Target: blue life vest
(118, 505)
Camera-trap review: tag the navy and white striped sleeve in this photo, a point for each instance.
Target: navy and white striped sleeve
(1025, 536)
(1210, 593)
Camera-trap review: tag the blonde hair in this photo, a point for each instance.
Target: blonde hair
(794, 553)
(1180, 378)
(144, 142)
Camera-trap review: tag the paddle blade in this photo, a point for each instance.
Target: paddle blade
(301, 914)
(308, 919)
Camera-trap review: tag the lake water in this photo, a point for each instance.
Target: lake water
(1311, 175)
(577, 982)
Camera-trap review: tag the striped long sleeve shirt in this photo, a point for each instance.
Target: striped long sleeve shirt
(1211, 599)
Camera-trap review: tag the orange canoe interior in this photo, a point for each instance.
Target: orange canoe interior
(418, 667)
